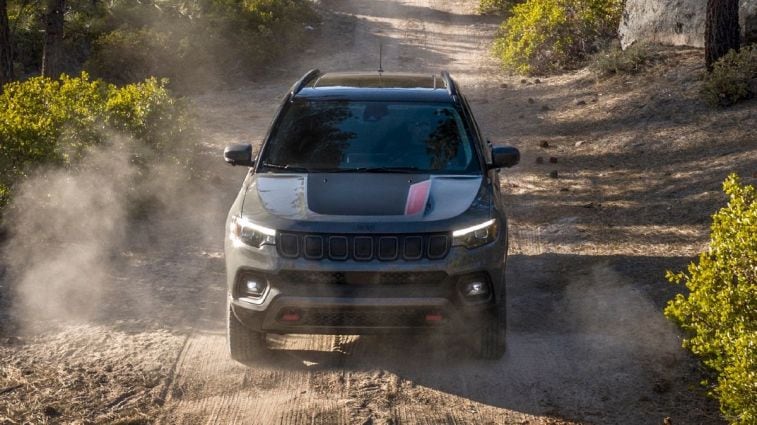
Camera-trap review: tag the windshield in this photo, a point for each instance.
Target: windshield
(334, 136)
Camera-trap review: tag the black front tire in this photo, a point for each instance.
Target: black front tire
(491, 339)
(244, 345)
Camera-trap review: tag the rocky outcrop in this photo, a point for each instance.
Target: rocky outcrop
(677, 22)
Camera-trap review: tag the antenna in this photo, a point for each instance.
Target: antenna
(381, 57)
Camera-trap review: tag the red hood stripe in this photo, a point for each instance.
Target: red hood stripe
(417, 196)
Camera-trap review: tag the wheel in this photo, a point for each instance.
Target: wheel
(244, 345)
(490, 342)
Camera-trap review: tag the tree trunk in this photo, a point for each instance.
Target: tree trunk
(721, 30)
(6, 50)
(52, 53)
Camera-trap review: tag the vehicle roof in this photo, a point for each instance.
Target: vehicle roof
(386, 86)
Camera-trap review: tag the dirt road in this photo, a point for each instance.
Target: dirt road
(587, 342)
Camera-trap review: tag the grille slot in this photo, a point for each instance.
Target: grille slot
(363, 247)
(413, 248)
(388, 248)
(313, 247)
(338, 248)
(437, 246)
(289, 245)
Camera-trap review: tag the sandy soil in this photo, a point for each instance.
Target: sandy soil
(639, 161)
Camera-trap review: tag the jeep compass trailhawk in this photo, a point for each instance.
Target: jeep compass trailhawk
(372, 206)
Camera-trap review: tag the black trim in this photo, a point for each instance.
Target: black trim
(451, 85)
(302, 82)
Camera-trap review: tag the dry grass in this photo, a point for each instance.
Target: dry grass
(85, 374)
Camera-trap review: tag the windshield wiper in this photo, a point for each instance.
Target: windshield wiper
(287, 167)
(401, 170)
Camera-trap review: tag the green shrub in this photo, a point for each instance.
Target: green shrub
(545, 36)
(495, 7)
(49, 121)
(5, 196)
(614, 60)
(197, 42)
(733, 78)
(719, 315)
(188, 41)
(123, 56)
(147, 112)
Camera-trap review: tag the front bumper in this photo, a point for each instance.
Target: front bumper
(349, 297)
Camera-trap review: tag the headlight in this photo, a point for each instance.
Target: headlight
(475, 236)
(248, 233)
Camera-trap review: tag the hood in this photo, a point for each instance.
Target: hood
(361, 197)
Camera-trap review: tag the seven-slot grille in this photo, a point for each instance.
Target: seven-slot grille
(363, 247)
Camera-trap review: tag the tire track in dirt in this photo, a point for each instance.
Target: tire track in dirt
(306, 383)
(169, 382)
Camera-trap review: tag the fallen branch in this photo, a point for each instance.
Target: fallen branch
(11, 388)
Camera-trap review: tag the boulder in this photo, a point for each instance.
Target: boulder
(677, 22)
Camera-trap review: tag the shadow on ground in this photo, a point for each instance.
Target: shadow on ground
(587, 342)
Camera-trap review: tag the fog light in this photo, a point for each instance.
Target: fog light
(255, 287)
(475, 289)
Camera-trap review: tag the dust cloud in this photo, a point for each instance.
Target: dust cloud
(88, 243)
(625, 339)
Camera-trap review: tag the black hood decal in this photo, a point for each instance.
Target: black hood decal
(362, 197)
(356, 194)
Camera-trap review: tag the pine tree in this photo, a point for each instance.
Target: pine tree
(6, 50)
(52, 53)
(721, 29)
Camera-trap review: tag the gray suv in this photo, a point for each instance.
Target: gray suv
(373, 206)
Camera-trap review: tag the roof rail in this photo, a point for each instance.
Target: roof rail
(302, 82)
(451, 85)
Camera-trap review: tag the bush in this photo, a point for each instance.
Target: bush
(123, 56)
(615, 60)
(495, 7)
(733, 78)
(719, 316)
(194, 43)
(545, 36)
(191, 42)
(5, 196)
(147, 112)
(49, 121)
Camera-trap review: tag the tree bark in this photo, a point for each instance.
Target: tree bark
(6, 47)
(721, 30)
(52, 53)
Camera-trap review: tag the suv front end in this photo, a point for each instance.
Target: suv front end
(343, 226)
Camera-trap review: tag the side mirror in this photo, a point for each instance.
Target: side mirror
(239, 155)
(504, 156)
